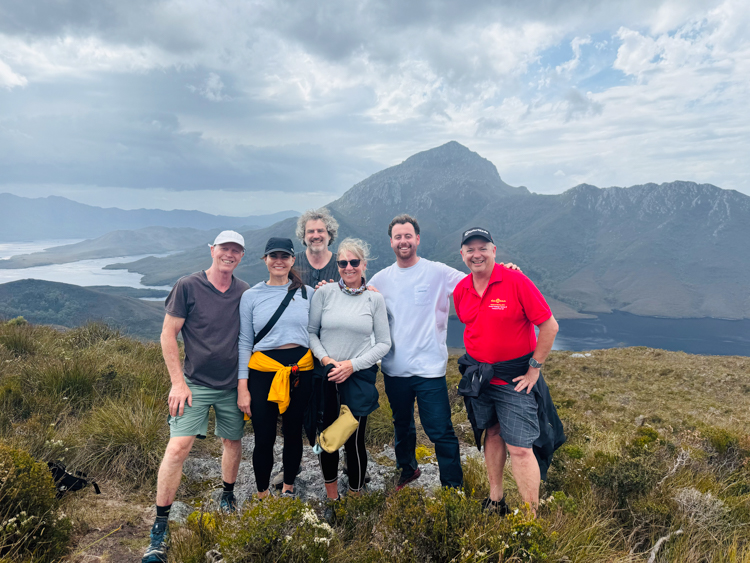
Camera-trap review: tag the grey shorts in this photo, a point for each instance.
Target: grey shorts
(516, 412)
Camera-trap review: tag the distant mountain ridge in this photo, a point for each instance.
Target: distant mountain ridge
(56, 217)
(678, 249)
(149, 240)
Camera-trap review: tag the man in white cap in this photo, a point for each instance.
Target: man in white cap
(204, 306)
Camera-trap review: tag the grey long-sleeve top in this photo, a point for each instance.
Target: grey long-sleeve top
(257, 306)
(341, 326)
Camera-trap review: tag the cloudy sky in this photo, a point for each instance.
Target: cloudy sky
(240, 107)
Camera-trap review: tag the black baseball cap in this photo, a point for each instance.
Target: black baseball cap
(278, 244)
(476, 232)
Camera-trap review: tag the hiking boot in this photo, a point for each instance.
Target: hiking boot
(228, 502)
(498, 506)
(156, 552)
(329, 513)
(407, 477)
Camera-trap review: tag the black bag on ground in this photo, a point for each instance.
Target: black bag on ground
(66, 482)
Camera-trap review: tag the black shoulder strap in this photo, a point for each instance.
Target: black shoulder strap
(272, 321)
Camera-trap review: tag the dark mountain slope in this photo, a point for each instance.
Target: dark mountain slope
(62, 304)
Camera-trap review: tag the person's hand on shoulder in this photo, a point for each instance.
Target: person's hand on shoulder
(511, 266)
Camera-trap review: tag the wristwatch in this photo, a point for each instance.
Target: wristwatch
(533, 363)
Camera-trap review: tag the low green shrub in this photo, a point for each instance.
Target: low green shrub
(355, 516)
(720, 439)
(18, 321)
(644, 441)
(452, 527)
(276, 529)
(623, 477)
(30, 525)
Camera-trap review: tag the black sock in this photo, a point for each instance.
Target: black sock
(163, 511)
(228, 487)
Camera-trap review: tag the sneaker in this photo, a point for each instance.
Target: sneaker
(228, 502)
(288, 494)
(499, 506)
(407, 477)
(157, 551)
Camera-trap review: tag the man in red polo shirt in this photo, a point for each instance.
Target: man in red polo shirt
(500, 308)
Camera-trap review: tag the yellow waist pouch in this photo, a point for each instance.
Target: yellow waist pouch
(336, 435)
(280, 389)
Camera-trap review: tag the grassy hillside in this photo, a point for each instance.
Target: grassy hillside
(658, 443)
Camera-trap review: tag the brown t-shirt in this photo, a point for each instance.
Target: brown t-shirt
(211, 330)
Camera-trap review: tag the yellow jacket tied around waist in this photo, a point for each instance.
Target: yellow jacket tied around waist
(280, 390)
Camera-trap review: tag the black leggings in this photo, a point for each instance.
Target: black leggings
(356, 454)
(266, 414)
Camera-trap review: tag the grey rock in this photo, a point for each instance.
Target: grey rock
(309, 484)
(202, 469)
(640, 420)
(180, 512)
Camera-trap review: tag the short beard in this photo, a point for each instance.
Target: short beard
(319, 250)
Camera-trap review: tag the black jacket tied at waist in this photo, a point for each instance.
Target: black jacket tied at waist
(358, 392)
(476, 378)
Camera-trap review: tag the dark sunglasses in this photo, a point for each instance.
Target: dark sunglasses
(344, 263)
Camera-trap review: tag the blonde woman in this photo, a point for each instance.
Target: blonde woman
(344, 318)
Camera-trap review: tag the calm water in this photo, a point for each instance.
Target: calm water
(694, 336)
(8, 249)
(83, 272)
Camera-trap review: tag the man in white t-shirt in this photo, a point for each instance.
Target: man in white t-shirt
(417, 294)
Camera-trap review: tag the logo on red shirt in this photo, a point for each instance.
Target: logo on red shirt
(498, 304)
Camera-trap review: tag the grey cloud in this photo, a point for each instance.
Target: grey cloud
(489, 125)
(579, 105)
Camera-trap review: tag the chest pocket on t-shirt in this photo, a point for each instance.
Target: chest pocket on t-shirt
(422, 294)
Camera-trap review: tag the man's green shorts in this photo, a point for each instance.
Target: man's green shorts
(230, 422)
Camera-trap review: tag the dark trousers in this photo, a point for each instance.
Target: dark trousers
(356, 454)
(431, 395)
(266, 414)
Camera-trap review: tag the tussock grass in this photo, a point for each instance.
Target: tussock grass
(18, 339)
(613, 491)
(126, 441)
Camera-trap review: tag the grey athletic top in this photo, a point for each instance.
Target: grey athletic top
(341, 326)
(257, 306)
(212, 324)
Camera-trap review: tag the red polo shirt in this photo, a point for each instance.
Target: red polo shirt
(500, 323)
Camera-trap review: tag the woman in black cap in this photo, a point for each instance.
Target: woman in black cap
(275, 363)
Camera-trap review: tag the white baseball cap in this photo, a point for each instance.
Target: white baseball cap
(229, 236)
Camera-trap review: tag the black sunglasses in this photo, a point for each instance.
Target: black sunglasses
(344, 263)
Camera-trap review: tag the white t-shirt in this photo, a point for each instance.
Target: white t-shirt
(418, 303)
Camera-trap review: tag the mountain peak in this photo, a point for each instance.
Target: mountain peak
(427, 184)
